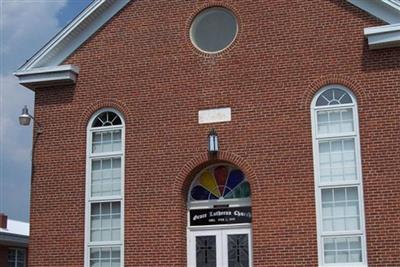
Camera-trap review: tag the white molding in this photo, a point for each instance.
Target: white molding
(89, 199)
(383, 36)
(99, 12)
(48, 76)
(75, 33)
(319, 186)
(385, 10)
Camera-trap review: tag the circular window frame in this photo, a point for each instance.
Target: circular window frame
(197, 14)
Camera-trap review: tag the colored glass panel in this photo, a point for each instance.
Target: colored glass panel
(200, 193)
(207, 180)
(241, 191)
(220, 182)
(234, 179)
(221, 174)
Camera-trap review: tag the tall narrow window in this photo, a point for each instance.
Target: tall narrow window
(104, 190)
(338, 180)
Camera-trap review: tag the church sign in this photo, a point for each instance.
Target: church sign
(220, 216)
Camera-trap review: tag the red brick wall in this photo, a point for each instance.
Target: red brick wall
(3, 256)
(143, 64)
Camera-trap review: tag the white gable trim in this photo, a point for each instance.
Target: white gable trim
(99, 12)
(385, 10)
(75, 34)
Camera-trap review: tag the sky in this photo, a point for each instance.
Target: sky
(25, 26)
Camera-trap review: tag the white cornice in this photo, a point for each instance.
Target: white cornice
(385, 10)
(75, 34)
(43, 68)
(48, 76)
(383, 36)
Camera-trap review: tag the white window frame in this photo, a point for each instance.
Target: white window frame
(320, 186)
(89, 199)
(17, 251)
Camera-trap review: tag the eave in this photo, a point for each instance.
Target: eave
(13, 240)
(48, 76)
(388, 11)
(383, 36)
(44, 69)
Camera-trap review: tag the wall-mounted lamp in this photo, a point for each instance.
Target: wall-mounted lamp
(25, 119)
(213, 142)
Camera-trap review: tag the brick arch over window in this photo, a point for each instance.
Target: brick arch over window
(186, 175)
(105, 104)
(323, 81)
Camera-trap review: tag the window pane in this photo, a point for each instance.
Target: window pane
(337, 161)
(333, 96)
(105, 257)
(105, 221)
(108, 141)
(342, 249)
(206, 251)
(12, 257)
(213, 29)
(238, 250)
(340, 209)
(335, 121)
(106, 177)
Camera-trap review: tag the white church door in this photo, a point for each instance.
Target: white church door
(220, 248)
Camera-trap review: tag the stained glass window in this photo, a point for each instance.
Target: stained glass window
(219, 182)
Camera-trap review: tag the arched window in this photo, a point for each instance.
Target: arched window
(104, 190)
(338, 179)
(219, 226)
(219, 183)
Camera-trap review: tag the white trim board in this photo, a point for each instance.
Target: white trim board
(385, 10)
(98, 13)
(48, 76)
(383, 36)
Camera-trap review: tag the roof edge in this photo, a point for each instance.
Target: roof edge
(48, 76)
(63, 44)
(385, 10)
(383, 36)
(99, 12)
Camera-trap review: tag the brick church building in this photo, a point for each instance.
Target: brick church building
(218, 134)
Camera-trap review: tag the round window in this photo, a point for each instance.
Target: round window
(213, 29)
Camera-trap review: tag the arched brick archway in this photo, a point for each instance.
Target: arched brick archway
(185, 176)
(180, 188)
(317, 84)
